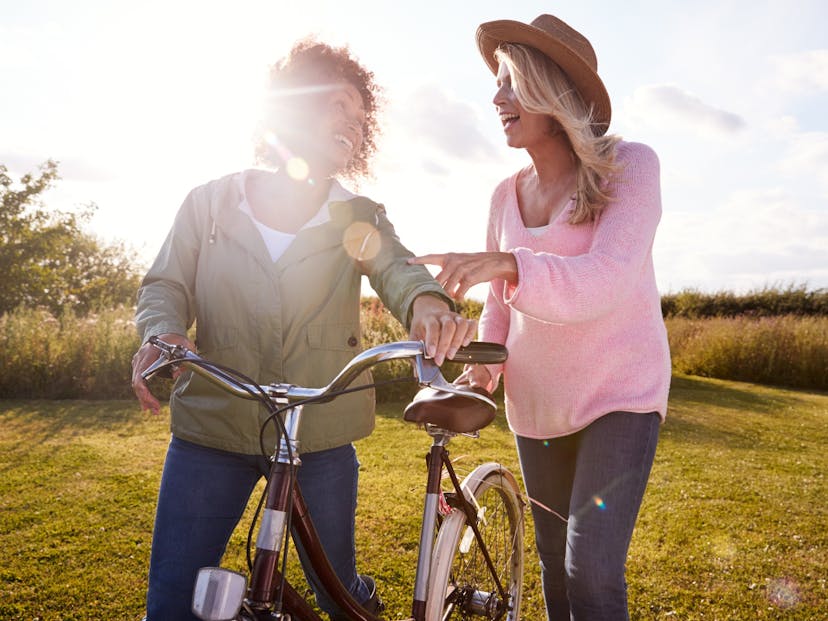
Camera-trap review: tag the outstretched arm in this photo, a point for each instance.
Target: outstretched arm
(460, 271)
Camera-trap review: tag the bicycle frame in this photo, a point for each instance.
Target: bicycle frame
(437, 459)
(269, 594)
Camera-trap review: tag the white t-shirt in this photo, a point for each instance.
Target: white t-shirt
(277, 242)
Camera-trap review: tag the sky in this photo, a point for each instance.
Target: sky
(142, 101)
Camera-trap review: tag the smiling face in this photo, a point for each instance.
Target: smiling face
(322, 109)
(340, 127)
(324, 128)
(523, 129)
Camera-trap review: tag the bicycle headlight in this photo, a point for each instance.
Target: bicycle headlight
(218, 594)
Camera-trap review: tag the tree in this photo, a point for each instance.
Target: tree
(48, 260)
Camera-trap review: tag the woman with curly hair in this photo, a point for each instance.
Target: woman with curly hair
(268, 263)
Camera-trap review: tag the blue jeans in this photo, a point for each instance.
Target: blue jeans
(203, 495)
(596, 479)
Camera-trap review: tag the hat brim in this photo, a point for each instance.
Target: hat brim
(491, 34)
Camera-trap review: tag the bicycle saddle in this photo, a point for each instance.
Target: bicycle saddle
(464, 410)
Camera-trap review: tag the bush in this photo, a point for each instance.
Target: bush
(783, 351)
(765, 302)
(66, 357)
(47, 258)
(72, 357)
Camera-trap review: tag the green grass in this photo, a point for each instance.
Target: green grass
(732, 527)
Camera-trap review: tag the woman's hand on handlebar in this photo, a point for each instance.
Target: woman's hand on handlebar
(442, 330)
(142, 359)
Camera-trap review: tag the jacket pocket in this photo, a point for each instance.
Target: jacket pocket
(334, 337)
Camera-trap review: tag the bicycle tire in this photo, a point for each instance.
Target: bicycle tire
(460, 584)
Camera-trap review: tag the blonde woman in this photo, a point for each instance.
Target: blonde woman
(573, 296)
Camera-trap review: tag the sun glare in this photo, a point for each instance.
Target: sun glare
(297, 168)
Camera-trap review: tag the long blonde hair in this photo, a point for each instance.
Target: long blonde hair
(542, 87)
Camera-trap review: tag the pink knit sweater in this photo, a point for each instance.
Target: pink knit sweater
(583, 325)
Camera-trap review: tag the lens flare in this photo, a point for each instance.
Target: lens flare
(724, 547)
(784, 593)
(294, 166)
(546, 442)
(362, 241)
(599, 502)
(297, 168)
(274, 143)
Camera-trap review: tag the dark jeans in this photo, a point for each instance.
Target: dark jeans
(596, 479)
(203, 494)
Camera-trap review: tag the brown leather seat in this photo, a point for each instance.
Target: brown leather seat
(459, 413)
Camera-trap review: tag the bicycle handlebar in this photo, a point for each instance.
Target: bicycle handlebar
(427, 372)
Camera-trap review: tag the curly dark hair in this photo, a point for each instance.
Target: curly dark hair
(311, 64)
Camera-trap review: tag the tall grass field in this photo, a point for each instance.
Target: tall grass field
(75, 357)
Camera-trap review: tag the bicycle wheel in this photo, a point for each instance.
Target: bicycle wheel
(461, 585)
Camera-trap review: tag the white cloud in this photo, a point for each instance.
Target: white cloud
(755, 237)
(806, 157)
(22, 46)
(794, 260)
(783, 126)
(802, 72)
(70, 167)
(450, 125)
(664, 106)
(770, 220)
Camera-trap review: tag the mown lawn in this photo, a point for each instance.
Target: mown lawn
(733, 525)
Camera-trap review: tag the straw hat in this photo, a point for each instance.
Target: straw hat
(567, 47)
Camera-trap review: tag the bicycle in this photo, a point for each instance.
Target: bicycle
(472, 568)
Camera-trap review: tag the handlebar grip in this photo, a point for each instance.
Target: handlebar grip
(481, 352)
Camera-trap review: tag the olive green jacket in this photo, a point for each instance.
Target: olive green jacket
(295, 320)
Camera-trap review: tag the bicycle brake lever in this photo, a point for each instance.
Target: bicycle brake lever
(426, 371)
(160, 367)
(429, 374)
(169, 350)
(170, 355)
